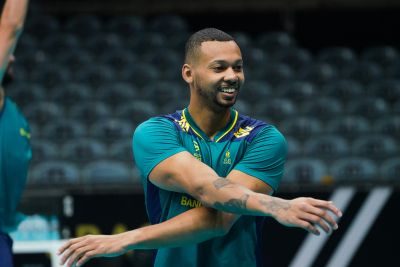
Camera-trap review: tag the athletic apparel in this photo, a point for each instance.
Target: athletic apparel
(15, 154)
(245, 144)
(6, 258)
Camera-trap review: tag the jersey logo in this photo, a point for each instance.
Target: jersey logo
(227, 159)
(22, 132)
(185, 201)
(196, 148)
(243, 132)
(183, 123)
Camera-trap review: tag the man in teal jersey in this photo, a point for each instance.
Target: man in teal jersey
(15, 150)
(202, 169)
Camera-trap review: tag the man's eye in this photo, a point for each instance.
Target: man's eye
(217, 68)
(238, 67)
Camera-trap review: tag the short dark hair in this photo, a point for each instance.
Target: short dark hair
(205, 35)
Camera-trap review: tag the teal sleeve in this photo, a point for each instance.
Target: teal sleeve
(265, 157)
(154, 141)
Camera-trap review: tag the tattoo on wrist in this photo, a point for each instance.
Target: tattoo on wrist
(223, 182)
(233, 205)
(276, 204)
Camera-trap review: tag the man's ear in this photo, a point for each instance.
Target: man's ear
(187, 73)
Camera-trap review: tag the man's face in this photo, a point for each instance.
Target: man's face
(218, 73)
(9, 75)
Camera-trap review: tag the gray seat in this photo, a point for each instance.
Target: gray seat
(100, 42)
(297, 91)
(306, 170)
(119, 58)
(274, 73)
(83, 25)
(296, 58)
(71, 93)
(75, 59)
(125, 25)
(31, 59)
(51, 75)
(327, 147)
(350, 126)
(161, 93)
(275, 41)
(344, 90)
(383, 55)
(90, 112)
(83, 149)
(137, 111)
(372, 108)
(303, 127)
(243, 40)
(389, 126)
(41, 26)
(386, 89)
(293, 147)
(112, 130)
(178, 40)
(105, 171)
(319, 73)
(60, 42)
(390, 170)
(140, 74)
(168, 24)
(376, 146)
(254, 91)
(34, 130)
(254, 58)
(27, 41)
(323, 108)
(164, 59)
(96, 75)
(353, 169)
(339, 57)
(146, 41)
(122, 150)
(43, 150)
(243, 107)
(365, 72)
(55, 172)
(43, 112)
(63, 130)
(276, 109)
(396, 108)
(117, 93)
(25, 93)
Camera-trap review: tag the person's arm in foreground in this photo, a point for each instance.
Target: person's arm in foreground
(11, 24)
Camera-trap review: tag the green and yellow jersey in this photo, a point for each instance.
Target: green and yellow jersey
(245, 144)
(15, 155)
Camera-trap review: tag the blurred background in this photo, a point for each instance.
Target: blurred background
(325, 73)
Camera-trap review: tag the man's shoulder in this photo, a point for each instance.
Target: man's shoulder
(247, 127)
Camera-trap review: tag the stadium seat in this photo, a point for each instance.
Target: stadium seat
(396, 108)
(112, 130)
(344, 90)
(296, 58)
(43, 150)
(165, 59)
(275, 41)
(160, 93)
(254, 91)
(83, 149)
(43, 112)
(339, 57)
(34, 130)
(349, 127)
(377, 146)
(71, 93)
(302, 127)
(117, 93)
(168, 24)
(96, 75)
(103, 171)
(59, 42)
(90, 112)
(125, 25)
(119, 58)
(243, 107)
(170, 108)
(353, 169)
(83, 25)
(390, 170)
(276, 109)
(122, 150)
(293, 147)
(138, 111)
(369, 107)
(386, 89)
(25, 93)
(27, 41)
(31, 59)
(297, 91)
(389, 126)
(51, 75)
(383, 55)
(178, 40)
(306, 170)
(140, 74)
(393, 70)
(364, 72)
(274, 73)
(319, 73)
(75, 59)
(63, 130)
(327, 147)
(147, 41)
(41, 26)
(242, 39)
(55, 172)
(323, 108)
(100, 42)
(254, 58)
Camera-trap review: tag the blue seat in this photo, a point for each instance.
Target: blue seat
(276, 109)
(350, 126)
(60, 42)
(160, 93)
(43, 150)
(43, 112)
(254, 91)
(27, 41)
(293, 147)
(254, 58)
(100, 42)
(119, 58)
(178, 40)
(170, 108)
(327, 147)
(55, 172)
(376, 146)
(383, 55)
(51, 75)
(63, 130)
(386, 89)
(167, 58)
(138, 111)
(344, 90)
(34, 130)
(75, 59)
(306, 170)
(365, 72)
(337, 56)
(319, 73)
(26, 93)
(112, 130)
(396, 108)
(90, 112)
(242, 39)
(125, 25)
(83, 149)
(243, 107)
(146, 41)
(140, 74)
(96, 76)
(296, 58)
(106, 171)
(392, 71)
(297, 91)
(390, 169)
(41, 26)
(83, 25)
(389, 126)
(122, 150)
(323, 108)
(117, 93)
(31, 59)
(353, 169)
(274, 73)
(275, 41)
(71, 93)
(302, 127)
(369, 107)
(169, 24)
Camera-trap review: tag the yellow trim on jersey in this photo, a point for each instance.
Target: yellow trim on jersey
(183, 112)
(233, 124)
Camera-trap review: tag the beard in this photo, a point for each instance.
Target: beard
(211, 96)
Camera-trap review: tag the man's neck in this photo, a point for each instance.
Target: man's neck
(209, 121)
(2, 97)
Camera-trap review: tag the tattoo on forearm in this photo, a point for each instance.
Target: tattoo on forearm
(233, 205)
(276, 204)
(223, 182)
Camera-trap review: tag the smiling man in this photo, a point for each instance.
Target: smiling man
(204, 167)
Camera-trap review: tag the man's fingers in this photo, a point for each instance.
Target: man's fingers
(307, 226)
(317, 220)
(85, 258)
(71, 252)
(76, 256)
(324, 215)
(328, 205)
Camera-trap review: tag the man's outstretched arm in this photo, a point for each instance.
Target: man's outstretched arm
(11, 24)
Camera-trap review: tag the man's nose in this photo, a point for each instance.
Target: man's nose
(231, 76)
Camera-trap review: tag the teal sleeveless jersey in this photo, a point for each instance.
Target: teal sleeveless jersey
(15, 154)
(245, 144)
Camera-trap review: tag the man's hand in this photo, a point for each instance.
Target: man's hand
(85, 248)
(303, 212)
